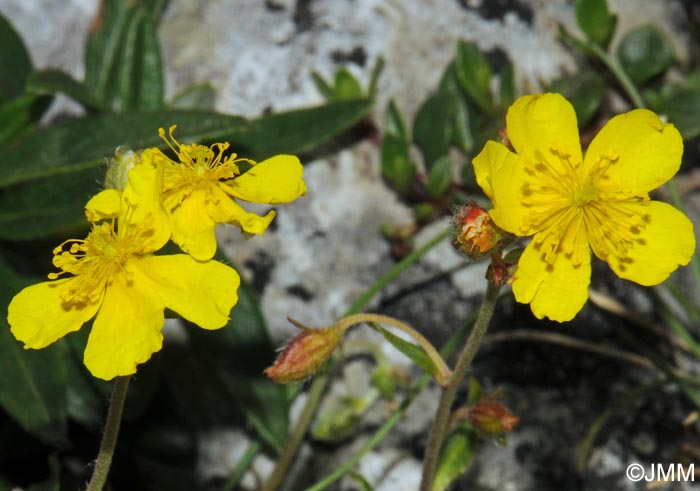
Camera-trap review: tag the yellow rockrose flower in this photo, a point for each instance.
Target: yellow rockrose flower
(572, 204)
(200, 190)
(115, 278)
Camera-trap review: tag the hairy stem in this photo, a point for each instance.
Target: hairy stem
(109, 437)
(442, 416)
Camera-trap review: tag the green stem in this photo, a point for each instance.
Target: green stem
(442, 416)
(318, 386)
(619, 73)
(109, 437)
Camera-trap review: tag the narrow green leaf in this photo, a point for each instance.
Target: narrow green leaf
(51, 81)
(199, 96)
(462, 131)
(32, 382)
(644, 53)
(141, 76)
(15, 64)
(396, 164)
(683, 110)
(19, 116)
(440, 177)
(585, 90)
(322, 86)
(474, 74)
(103, 48)
(50, 175)
(414, 352)
(432, 128)
(345, 85)
(506, 88)
(394, 122)
(455, 457)
(596, 21)
(374, 77)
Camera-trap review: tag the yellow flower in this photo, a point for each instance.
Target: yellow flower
(199, 192)
(572, 204)
(116, 279)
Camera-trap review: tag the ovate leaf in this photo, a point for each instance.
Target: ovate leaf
(644, 53)
(15, 64)
(596, 21)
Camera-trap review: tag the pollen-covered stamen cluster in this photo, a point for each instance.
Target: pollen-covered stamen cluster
(93, 261)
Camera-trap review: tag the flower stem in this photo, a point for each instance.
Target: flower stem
(318, 386)
(109, 437)
(619, 74)
(443, 371)
(442, 416)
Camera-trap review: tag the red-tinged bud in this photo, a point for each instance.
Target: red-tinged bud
(500, 270)
(491, 418)
(304, 354)
(475, 232)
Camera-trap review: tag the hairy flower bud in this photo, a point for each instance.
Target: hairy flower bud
(491, 418)
(475, 234)
(304, 354)
(119, 166)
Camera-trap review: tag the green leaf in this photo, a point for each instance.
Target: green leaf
(396, 164)
(50, 175)
(394, 122)
(414, 352)
(103, 48)
(506, 88)
(32, 382)
(199, 96)
(345, 85)
(51, 81)
(683, 110)
(462, 132)
(644, 53)
(20, 115)
(432, 128)
(322, 86)
(15, 64)
(474, 74)
(374, 77)
(440, 177)
(585, 90)
(455, 457)
(596, 21)
(141, 76)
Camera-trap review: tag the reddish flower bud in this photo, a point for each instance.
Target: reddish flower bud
(304, 354)
(475, 232)
(491, 418)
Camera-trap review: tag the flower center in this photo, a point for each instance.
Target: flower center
(585, 194)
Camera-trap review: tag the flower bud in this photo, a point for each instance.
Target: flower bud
(304, 354)
(117, 176)
(475, 232)
(491, 418)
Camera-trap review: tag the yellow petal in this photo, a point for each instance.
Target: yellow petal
(202, 292)
(645, 152)
(38, 316)
(501, 174)
(105, 204)
(541, 123)
(193, 228)
(127, 329)
(273, 181)
(558, 290)
(142, 205)
(223, 209)
(666, 242)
